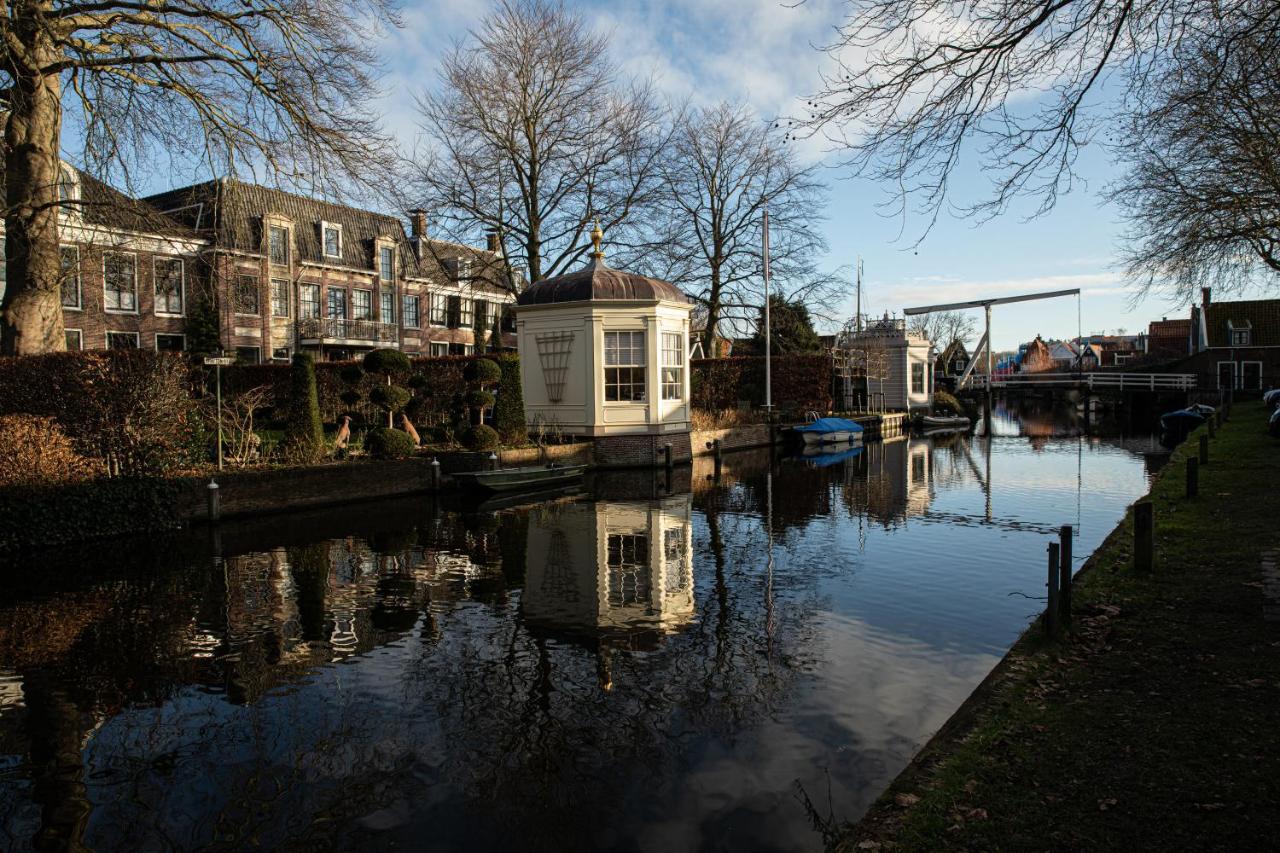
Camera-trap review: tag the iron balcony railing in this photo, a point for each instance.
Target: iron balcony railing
(333, 329)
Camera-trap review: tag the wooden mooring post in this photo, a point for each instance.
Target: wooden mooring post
(1051, 608)
(1193, 476)
(1064, 574)
(1204, 450)
(1144, 529)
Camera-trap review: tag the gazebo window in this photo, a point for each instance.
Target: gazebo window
(624, 365)
(672, 366)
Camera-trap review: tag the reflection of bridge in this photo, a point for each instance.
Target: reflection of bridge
(1101, 381)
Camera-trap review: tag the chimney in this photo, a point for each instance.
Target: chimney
(1204, 296)
(417, 223)
(492, 243)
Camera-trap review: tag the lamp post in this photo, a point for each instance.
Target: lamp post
(768, 340)
(219, 362)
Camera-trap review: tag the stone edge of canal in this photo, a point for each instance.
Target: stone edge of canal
(991, 704)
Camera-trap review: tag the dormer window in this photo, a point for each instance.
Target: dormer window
(278, 245)
(68, 192)
(464, 269)
(331, 239)
(1240, 337)
(387, 263)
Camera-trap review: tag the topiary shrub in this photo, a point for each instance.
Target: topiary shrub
(479, 399)
(387, 443)
(34, 451)
(508, 410)
(391, 398)
(388, 362)
(304, 433)
(350, 398)
(482, 371)
(480, 437)
(351, 374)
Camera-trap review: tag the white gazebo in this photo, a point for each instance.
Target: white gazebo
(604, 354)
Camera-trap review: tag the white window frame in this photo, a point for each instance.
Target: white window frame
(288, 301)
(79, 338)
(328, 303)
(324, 243)
(159, 335)
(257, 360)
(182, 286)
(105, 256)
(1240, 375)
(440, 301)
(672, 365)
(235, 293)
(1235, 373)
(79, 306)
(319, 304)
(405, 299)
(382, 248)
(386, 295)
(431, 348)
(288, 354)
(1243, 333)
(466, 312)
(355, 303)
(1122, 358)
(137, 341)
(468, 349)
(630, 364)
(67, 208)
(288, 244)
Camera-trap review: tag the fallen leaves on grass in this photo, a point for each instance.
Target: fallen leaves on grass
(906, 800)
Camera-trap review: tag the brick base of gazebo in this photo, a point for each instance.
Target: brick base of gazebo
(641, 451)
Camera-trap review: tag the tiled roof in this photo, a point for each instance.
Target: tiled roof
(104, 205)
(599, 282)
(231, 211)
(1263, 315)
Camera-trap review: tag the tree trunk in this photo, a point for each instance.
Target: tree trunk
(713, 314)
(31, 313)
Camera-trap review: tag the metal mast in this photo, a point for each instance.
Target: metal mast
(768, 341)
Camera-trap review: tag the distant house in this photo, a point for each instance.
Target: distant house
(1036, 358)
(898, 363)
(1169, 338)
(1065, 354)
(952, 361)
(1236, 344)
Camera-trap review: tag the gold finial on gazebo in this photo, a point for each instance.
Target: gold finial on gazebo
(596, 237)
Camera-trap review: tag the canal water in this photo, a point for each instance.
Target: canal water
(653, 664)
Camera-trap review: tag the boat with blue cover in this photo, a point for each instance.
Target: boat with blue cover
(829, 431)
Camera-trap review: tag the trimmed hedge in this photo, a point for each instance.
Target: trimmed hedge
(387, 443)
(508, 409)
(800, 382)
(36, 517)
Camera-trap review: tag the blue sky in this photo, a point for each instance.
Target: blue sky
(762, 52)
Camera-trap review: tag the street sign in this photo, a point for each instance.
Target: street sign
(220, 361)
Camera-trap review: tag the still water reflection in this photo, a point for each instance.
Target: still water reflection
(647, 666)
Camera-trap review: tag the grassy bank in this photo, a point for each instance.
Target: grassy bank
(1156, 724)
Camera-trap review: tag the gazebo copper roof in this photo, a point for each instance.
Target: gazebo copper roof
(598, 282)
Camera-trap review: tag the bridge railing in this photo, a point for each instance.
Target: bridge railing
(1100, 380)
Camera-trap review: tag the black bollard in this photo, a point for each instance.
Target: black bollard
(1193, 476)
(215, 501)
(1144, 524)
(1051, 608)
(1064, 574)
(670, 459)
(718, 449)
(1204, 450)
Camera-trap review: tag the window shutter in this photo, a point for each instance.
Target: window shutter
(455, 311)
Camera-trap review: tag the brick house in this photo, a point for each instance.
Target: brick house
(282, 271)
(1236, 345)
(289, 272)
(1169, 338)
(128, 270)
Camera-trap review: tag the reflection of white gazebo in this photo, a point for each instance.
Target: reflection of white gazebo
(604, 353)
(611, 569)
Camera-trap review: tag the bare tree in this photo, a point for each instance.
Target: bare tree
(1011, 85)
(943, 328)
(1202, 192)
(724, 167)
(533, 133)
(279, 85)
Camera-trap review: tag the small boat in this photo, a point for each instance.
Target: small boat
(941, 422)
(1183, 420)
(1272, 397)
(520, 479)
(1201, 409)
(829, 431)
